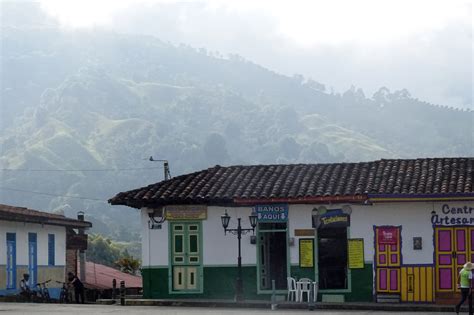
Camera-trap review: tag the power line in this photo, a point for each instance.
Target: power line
(78, 170)
(48, 194)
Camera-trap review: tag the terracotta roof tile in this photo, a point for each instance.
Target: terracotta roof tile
(22, 214)
(401, 177)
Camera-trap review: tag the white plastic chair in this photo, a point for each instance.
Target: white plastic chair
(304, 286)
(315, 291)
(292, 289)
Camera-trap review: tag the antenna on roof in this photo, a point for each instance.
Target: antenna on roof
(165, 166)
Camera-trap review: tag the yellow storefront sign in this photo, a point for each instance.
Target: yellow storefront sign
(355, 253)
(307, 253)
(185, 212)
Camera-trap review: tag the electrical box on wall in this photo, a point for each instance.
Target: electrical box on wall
(253, 239)
(417, 243)
(154, 226)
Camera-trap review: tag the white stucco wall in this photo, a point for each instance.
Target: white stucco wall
(414, 219)
(220, 249)
(299, 218)
(154, 243)
(21, 230)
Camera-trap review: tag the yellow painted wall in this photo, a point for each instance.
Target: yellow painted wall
(55, 273)
(3, 277)
(417, 284)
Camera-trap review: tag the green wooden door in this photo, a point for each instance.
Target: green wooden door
(186, 257)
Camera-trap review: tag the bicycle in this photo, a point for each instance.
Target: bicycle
(43, 293)
(24, 296)
(64, 295)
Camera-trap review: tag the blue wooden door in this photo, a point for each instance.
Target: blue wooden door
(32, 259)
(11, 261)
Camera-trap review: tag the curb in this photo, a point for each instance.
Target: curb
(286, 305)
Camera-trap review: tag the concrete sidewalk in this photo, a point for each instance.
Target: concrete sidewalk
(402, 307)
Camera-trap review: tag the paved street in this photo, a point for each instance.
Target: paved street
(51, 309)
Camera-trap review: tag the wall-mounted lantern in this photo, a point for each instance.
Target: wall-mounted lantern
(156, 218)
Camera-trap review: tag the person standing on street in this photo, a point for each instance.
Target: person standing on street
(78, 287)
(465, 284)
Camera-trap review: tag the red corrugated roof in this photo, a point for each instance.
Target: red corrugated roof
(101, 277)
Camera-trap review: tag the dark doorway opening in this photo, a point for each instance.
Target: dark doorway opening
(273, 257)
(332, 258)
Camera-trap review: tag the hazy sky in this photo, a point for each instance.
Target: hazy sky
(424, 46)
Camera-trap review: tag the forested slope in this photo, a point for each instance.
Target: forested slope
(95, 100)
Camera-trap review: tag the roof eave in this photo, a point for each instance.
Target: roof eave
(138, 204)
(304, 200)
(48, 221)
(420, 197)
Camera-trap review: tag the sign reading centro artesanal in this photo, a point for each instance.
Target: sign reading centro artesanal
(453, 215)
(272, 213)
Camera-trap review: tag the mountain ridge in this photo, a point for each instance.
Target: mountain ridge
(112, 100)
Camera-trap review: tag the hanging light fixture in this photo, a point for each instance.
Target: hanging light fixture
(225, 218)
(253, 219)
(156, 216)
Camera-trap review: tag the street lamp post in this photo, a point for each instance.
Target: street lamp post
(238, 231)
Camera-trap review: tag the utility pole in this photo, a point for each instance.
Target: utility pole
(165, 166)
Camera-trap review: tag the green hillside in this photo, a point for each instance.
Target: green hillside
(83, 101)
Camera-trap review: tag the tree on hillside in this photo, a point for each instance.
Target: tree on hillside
(315, 85)
(102, 250)
(128, 263)
(382, 96)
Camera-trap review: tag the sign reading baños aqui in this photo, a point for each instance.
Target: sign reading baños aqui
(272, 213)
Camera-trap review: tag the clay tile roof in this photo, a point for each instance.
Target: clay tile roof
(12, 213)
(386, 177)
(101, 277)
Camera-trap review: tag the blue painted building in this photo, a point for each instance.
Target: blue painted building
(36, 243)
